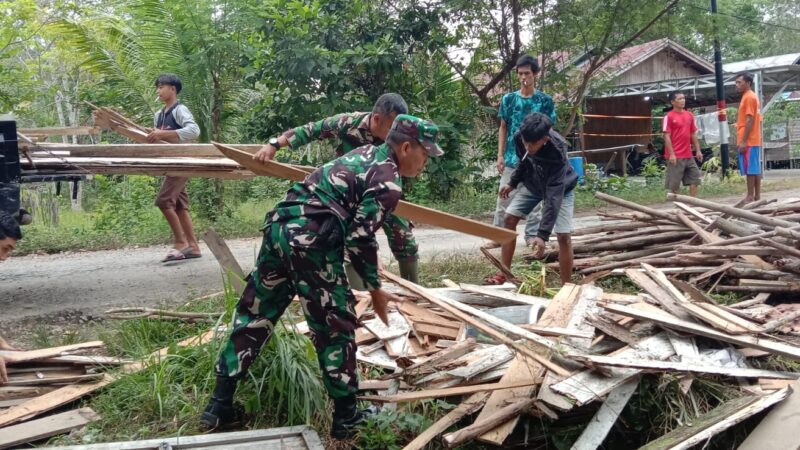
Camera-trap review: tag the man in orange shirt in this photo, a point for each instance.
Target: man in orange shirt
(748, 136)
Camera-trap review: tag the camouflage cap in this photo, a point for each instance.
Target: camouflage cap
(422, 130)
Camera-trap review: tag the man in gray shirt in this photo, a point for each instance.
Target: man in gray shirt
(175, 123)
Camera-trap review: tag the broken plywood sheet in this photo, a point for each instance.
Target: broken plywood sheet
(295, 438)
(778, 430)
(398, 326)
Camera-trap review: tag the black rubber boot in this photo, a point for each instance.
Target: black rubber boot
(409, 270)
(220, 411)
(347, 416)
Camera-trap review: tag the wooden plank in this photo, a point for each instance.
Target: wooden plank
(448, 354)
(557, 331)
(505, 295)
(447, 392)
(717, 420)
(686, 367)
(50, 401)
(497, 356)
(54, 380)
(588, 385)
(596, 431)
(398, 326)
(410, 211)
(774, 347)
(726, 250)
(143, 150)
(736, 320)
(523, 368)
(757, 300)
(12, 357)
(467, 407)
(661, 295)
(488, 423)
(60, 131)
(221, 251)
(778, 429)
(39, 429)
(434, 330)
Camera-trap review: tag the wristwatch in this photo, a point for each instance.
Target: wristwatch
(274, 142)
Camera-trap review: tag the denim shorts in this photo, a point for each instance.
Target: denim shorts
(524, 202)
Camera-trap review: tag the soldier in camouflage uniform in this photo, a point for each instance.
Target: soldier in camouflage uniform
(354, 130)
(334, 212)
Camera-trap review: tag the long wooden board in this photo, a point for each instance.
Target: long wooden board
(468, 406)
(31, 355)
(39, 429)
(768, 345)
(225, 257)
(410, 211)
(447, 392)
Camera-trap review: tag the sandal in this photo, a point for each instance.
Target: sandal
(495, 280)
(174, 255)
(489, 245)
(188, 253)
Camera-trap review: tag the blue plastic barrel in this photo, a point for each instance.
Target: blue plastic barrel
(577, 165)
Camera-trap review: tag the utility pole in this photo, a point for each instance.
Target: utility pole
(721, 106)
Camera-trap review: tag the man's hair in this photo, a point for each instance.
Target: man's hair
(535, 126)
(9, 227)
(397, 138)
(390, 103)
(528, 60)
(746, 76)
(169, 79)
(673, 95)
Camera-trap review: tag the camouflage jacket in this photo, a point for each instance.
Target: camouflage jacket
(351, 129)
(343, 203)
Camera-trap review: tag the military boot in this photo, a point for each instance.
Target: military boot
(409, 270)
(220, 410)
(347, 416)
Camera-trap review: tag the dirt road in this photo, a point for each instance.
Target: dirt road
(91, 282)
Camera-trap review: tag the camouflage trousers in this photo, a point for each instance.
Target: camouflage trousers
(318, 278)
(401, 238)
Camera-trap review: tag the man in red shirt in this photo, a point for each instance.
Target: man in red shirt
(680, 135)
(748, 136)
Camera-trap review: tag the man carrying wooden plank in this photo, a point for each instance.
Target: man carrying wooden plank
(334, 211)
(680, 135)
(353, 130)
(545, 176)
(174, 123)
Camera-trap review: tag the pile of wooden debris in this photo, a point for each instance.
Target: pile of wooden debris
(503, 354)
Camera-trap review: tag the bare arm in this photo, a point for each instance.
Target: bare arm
(696, 145)
(501, 146)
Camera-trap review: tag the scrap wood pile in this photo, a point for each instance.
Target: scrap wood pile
(35, 378)
(748, 250)
(155, 159)
(502, 355)
(43, 380)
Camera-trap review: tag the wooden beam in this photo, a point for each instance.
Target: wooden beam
(730, 210)
(637, 207)
(142, 150)
(717, 420)
(447, 392)
(39, 429)
(514, 297)
(225, 257)
(409, 211)
(774, 347)
(469, 406)
(725, 250)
